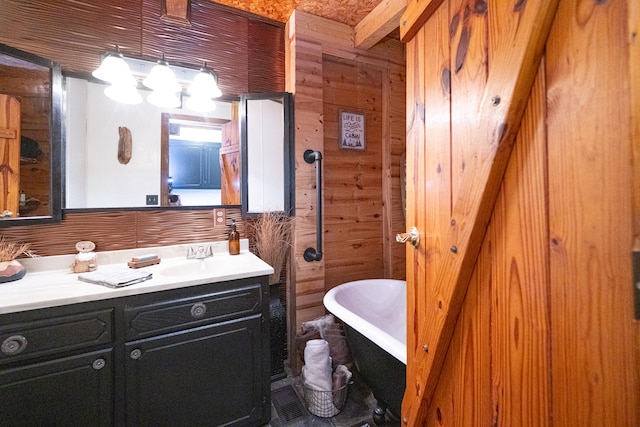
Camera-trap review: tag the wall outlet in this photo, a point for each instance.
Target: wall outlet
(219, 217)
(152, 199)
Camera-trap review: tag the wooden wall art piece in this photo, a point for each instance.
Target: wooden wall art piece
(124, 145)
(352, 134)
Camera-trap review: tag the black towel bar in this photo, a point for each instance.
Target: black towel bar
(311, 254)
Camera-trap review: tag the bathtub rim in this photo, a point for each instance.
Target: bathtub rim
(385, 341)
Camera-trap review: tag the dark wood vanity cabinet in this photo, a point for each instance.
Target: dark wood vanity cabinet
(196, 356)
(57, 367)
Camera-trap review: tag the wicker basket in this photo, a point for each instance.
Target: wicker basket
(324, 404)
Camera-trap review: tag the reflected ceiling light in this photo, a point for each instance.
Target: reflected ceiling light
(164, 98)
(123, 93)
(205, 84)
(201, 104)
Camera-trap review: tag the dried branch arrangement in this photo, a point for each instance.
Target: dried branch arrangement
(10, 250)
(272, 232)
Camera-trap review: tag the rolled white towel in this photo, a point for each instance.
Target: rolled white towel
(317, 369)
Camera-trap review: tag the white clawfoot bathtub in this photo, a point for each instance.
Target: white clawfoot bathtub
(373, 312)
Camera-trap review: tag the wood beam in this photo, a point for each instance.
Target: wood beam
(518, 40)
(177, 11)
(417, 13)
(379, 23)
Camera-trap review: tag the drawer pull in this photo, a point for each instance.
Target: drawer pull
(135, 354)
(13, 345)
(198, 310)
(98, 364)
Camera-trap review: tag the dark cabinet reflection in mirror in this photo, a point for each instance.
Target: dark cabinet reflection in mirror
(195, 159)
(30, 138)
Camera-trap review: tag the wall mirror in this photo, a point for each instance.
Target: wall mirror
(254, 153)
(266, 135)
(30, 138)
(161, 141)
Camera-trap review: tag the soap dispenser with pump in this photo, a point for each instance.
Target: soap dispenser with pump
(234, 240)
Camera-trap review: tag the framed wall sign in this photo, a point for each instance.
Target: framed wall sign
(352, 131)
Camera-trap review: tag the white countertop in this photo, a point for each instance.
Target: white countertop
(50, 282)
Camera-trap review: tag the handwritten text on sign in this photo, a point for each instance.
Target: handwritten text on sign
(352, 130)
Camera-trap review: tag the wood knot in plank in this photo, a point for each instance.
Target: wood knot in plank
(519, 5)
(445, 80)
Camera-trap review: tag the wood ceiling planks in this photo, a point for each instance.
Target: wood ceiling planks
(348, 12)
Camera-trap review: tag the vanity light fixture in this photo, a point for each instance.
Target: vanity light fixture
(165, 87)
(164, 79)
(161, 77)
(205, 83)
(202, 90)
(114, 70)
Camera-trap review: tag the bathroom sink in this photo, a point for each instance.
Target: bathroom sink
(190, 267)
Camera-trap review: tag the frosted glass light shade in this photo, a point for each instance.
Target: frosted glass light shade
(205, 84)
(161, 77)
(114, 69)
(201, 104)
(123, 93)
(164, 99)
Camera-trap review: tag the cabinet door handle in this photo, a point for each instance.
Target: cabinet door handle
(98, 364)
(13, 345)
(135, 354)
(198, 310)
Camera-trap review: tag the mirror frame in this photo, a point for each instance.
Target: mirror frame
(56, 133)
(288, 147)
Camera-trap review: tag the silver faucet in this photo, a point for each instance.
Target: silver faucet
(199, 252)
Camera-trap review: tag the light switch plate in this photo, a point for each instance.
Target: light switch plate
(152, 199)
(219, 217)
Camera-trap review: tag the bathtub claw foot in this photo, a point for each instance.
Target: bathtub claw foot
(379, 413)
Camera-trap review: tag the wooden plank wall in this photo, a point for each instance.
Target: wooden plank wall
(31, 87)
(546, 334)
(362, 197)
(353, 178)
(590, 228)
(360, 219)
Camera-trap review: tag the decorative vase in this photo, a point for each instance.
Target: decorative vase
(278, 328)
(11, 270)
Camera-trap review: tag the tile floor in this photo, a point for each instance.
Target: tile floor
(357, 411)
